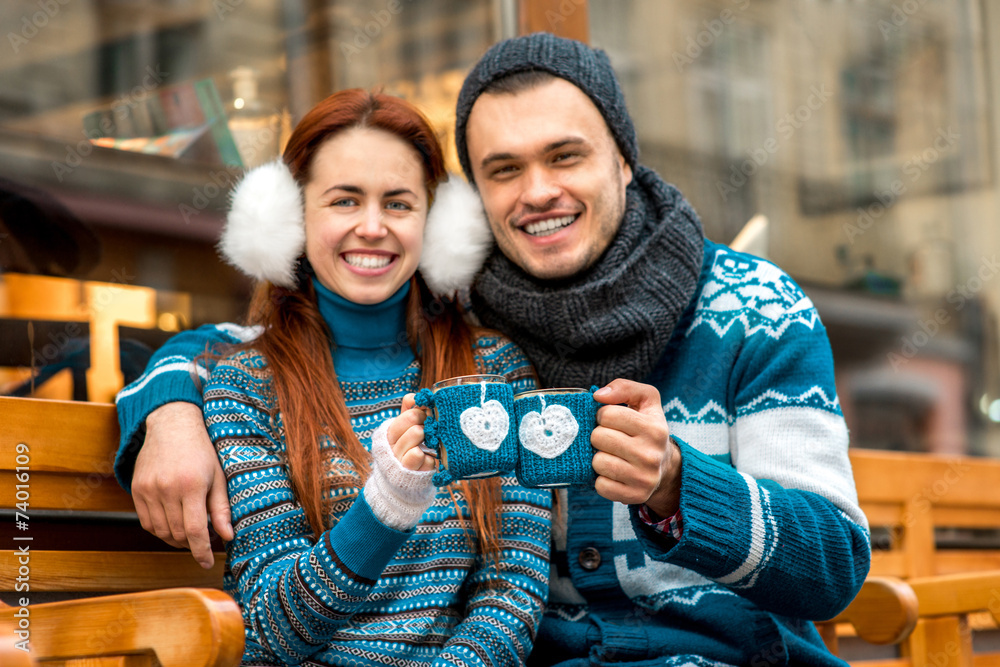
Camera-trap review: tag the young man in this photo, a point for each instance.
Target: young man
(724, 516)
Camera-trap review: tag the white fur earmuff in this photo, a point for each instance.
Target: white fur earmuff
(457, 238)
(265, 231)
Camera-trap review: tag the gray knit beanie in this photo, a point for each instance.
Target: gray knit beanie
(587, 68)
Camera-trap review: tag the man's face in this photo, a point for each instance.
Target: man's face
(551, 177)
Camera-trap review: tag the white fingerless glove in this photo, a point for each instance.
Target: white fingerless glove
(397, 495)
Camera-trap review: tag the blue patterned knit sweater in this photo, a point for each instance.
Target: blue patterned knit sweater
(773, 536)
(365, 593)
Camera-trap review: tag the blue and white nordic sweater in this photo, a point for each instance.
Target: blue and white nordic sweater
(773, 536)
(365, 593)
(772, 533)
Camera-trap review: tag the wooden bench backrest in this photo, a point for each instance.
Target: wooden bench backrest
(909, 496)
(67, 450)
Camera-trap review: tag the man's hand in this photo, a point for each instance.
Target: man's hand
(177, 476)
(636, 462)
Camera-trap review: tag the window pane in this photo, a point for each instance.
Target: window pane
(863, 132)
(123, 126)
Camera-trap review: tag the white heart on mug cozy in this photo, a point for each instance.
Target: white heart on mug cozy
(550, 432)
(486, 427)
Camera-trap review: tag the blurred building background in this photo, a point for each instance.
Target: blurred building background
(864, 131)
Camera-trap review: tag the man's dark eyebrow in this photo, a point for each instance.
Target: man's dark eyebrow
(562, 143)
(496, 157)
(555, 145)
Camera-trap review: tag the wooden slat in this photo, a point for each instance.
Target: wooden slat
(62, 436)
(917, 542)
(181, 627)
(57, 491)
(71, 448)
(959, 593)
(958, 561)
(110, 571)
(947, 640)
(889, 476)
(967, 516)
(888, 564)
(883, 513)
(982, 620)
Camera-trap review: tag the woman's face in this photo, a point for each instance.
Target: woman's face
(365, 208)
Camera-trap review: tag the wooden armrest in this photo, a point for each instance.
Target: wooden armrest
(182, 627)
(884, 611)
(946, 595)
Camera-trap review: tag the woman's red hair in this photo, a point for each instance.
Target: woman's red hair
(296, 341)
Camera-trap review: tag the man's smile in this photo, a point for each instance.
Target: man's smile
(550, 226)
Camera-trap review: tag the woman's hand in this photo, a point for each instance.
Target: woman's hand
(401, 486)
(406, 437)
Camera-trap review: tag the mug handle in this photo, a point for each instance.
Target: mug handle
(425, 399)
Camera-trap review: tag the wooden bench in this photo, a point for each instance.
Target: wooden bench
(56, 476)
(926, 616)
(57, 457)
(936, 525)
(930, 514)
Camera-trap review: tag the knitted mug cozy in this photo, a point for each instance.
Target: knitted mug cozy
(554, 428)
(470, 429)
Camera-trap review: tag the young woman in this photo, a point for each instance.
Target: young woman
(344, 551)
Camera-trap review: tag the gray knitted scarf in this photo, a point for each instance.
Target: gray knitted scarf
(615, 319)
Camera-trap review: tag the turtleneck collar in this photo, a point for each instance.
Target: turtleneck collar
(369, 341)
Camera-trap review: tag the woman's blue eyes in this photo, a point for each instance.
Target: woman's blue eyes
(392, 205)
